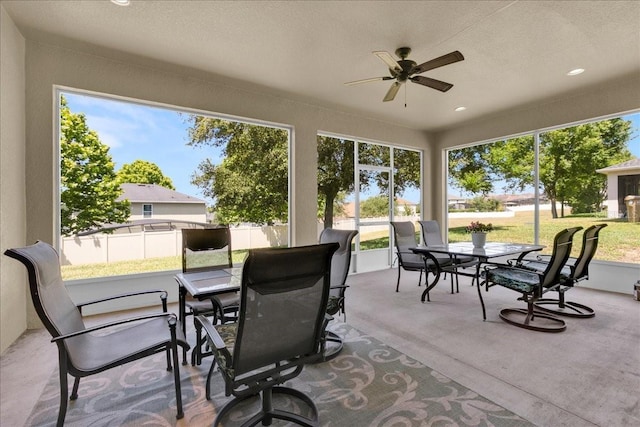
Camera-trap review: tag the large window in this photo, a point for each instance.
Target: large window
(363, 186)
(532, 186)
(132, 175)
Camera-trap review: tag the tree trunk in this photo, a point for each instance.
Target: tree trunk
(554, 209)
(328, 211)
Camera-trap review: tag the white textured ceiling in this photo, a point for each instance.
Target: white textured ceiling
(516, 52)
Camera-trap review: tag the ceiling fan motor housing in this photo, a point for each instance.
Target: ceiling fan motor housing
(407, 68)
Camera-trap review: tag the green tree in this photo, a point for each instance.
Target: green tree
(336, 171)
(335, 175)
(375, 206)
(89, 189)
(568, 161)
(251, 182)
(143, 172)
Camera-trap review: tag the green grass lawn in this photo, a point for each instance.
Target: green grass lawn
(619, 241)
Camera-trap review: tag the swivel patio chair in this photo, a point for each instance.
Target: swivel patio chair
(206, 249)
(532, 285)
(340, 264)
(576, 270)
(432, 236)
(405, 238)
(283, 303)
(81, 352)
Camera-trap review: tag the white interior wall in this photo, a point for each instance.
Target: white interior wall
(13, 292)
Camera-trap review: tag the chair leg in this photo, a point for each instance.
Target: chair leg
(176, 368)
(568, 308)
(195, 353)
(74, 392)
(525, 318)
(398, 282)
(211, 369)
(64, 387)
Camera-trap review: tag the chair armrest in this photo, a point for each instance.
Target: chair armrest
(172, 320)
(163, 298)
(214, 338)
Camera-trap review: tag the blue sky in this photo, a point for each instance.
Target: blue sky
(134, 131)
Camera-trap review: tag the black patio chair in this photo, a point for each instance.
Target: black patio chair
(283, 303)
(532, 285)
(340, 264)
(206, 249)
(405, 238)
(432, 236)
(81, 352)
(576, 270)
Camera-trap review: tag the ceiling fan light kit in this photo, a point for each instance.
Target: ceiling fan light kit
(405, 69)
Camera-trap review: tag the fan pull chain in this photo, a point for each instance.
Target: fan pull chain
(405, 96)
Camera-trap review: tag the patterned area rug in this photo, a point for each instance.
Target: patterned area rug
(368, 384)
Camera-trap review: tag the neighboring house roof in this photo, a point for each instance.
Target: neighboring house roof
(153, 193)
(400, 201)
(632, 165)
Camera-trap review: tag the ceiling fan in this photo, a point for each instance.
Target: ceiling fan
(404, 69)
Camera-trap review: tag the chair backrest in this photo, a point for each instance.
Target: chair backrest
(562, 243)
(206, 249)
(341, 260)
(590, 239)
(404, 233)
(283, 300)
(431, 233)
(55, 308)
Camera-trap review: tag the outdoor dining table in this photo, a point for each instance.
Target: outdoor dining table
(205, 284)
(466, 249)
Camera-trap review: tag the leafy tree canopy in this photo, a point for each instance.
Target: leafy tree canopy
(568, 162)
(89, 189)
(143, 172)
(374, 207)
(251, 182)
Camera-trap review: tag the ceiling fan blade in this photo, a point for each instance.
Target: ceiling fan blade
(372, 79)
(441, 61)
(388, 59)
(393, 90)
(432, 83)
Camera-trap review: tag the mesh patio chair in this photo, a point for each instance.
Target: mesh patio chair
(576, 270)
(283, 303)
(81, 352)
(206, 249)
(432, 236)
(405, 238)
(340, 264)
(532, 285)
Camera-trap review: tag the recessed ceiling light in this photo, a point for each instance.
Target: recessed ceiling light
(460, 108)
(121, 2)
(575, 72)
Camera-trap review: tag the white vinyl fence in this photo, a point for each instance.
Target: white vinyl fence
(102, 248)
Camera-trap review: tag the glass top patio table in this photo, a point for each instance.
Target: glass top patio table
(490, 250)
(203, 285)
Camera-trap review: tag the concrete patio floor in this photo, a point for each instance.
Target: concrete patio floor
(588, 375)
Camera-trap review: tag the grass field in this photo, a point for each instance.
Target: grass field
(619, 241)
